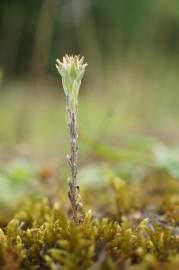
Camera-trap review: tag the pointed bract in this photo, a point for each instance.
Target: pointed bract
(71, 69)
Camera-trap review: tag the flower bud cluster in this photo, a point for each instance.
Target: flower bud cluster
(71, 69)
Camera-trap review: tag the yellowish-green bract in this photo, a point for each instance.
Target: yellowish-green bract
(71, 69)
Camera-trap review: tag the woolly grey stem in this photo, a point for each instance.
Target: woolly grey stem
(74, 192)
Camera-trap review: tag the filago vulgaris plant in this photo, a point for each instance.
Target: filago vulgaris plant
(72, 69)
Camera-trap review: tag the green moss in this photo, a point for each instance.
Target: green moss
(137, 230)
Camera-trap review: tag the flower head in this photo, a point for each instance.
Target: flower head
(71, 69)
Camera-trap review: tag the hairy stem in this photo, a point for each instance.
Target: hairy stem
(74, 191)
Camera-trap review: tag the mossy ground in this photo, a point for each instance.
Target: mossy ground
(127, 225)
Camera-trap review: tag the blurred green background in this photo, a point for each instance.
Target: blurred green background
(130, 88)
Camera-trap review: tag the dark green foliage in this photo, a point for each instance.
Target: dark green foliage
(121, 27)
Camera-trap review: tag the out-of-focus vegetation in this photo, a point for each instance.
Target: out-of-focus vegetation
(132, 84)
(128, 135)
(101, 30)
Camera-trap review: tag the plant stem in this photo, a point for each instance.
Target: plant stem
(74, 191)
